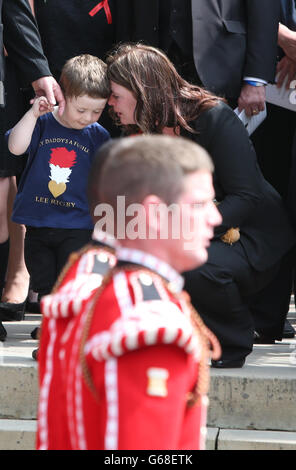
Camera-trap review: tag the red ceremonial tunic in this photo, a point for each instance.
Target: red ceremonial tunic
(128, 367)
(79, 280)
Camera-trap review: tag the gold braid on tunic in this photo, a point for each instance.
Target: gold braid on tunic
(210, 347)
(75, 256)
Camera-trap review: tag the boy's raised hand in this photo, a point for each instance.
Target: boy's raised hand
(48, 86)
(41, 106)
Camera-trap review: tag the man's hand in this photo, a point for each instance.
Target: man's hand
(48, 86)
(285, 68)
(287, 41)
(252, 99)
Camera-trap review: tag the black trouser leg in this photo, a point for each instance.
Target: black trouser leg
(71, 241)
(47, 251)
(224, 312)
(219, 291)
(270, 306)
(273, 141)
(40, 260)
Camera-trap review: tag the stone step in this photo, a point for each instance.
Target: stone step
(18, 371)
(228, 439)
(238, 439)
(258, 397)
(21, 434)
(17, 434)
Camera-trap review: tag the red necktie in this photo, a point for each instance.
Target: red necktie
(104, 4)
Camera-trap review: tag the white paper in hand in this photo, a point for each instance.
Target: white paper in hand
(283, 97)
(251, 123)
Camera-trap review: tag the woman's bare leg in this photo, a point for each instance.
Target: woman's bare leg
(4, 243)
(17, 278)
(4, 190)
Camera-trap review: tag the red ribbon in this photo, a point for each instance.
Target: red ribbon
(104, 4)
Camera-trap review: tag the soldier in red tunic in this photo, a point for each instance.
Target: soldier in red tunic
(80, 278)
(130, 370)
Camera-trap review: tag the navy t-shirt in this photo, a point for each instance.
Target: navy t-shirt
(53, 188)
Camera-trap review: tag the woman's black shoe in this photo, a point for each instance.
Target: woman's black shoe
(289, 331)
(261, 339)
(228, 363)
(12, 312)
(3, 333)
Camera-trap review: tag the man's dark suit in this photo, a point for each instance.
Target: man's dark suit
(20, 37)
(231, 39)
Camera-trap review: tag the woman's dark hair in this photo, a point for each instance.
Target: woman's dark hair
(164, 98)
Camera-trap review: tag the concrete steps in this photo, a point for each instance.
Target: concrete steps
(18, 371)
(250, 408)
(20, 435)
(17, 434)
(238, 439)
(261, 395)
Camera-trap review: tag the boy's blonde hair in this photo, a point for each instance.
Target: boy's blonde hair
(85, 75)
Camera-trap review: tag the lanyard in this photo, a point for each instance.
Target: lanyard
(104, 4)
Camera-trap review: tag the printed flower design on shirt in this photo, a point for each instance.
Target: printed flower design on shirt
(61, 162)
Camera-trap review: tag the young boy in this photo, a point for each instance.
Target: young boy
(52, 200)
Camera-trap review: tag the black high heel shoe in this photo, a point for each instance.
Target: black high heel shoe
(12, 312)
(35, 354)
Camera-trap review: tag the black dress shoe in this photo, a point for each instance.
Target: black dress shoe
(35, 333)
(35, 354)
(12, 312)
(261, 339)
(288, 331)
(228, 363)
(3, 333)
